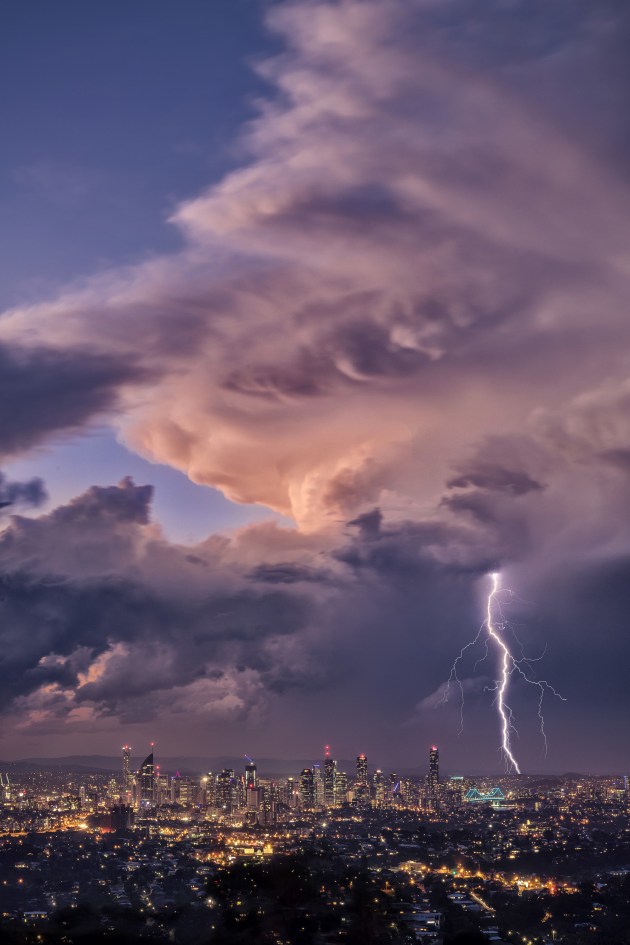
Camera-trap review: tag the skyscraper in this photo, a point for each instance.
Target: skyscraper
(341, 787)
(146, 777)
(126, 767)
(330, 781)
(378, 788)
(307, 789)
(434, 770)
(318, 785)
(362, 770)
(225, 790)
(251, 778)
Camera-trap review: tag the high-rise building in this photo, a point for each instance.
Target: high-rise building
(307, 789)
(456, 789)
(228, 791)
(211, 789)
(225, 790)
(126, 767)
(330, 782)
(341, 787)
(378, 788)
(318, 782)
(362, 770)
(161, 789)
(121, 817)
(146, 776)
(293, 794)
(433, 778)
(251, 779)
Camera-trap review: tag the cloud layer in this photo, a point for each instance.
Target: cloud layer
(406, 310)
(418, 252)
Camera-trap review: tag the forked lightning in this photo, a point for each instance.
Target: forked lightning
(493, 628)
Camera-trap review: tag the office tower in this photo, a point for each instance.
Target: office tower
(341, 787)
(251, 779)
(293, 794)
(121, 817)
(455, 789)
(318, 782)
(187, 792)
(378, 788)
(126, 767)
(161, 790)
(225, 790)
(362, 770)
(330, 781)
(255, 797)
(406, 792)
(269, 806)
(434, 770)
(394, 789)
(307, 789)
(146, 777)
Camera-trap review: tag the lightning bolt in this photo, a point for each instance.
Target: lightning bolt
(508, 665)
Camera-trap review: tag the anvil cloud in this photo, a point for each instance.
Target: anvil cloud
(410, 296)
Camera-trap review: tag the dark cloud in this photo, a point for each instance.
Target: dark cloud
(402, 320)
(46, 390)
(496, 479)
(99, 610)
(31, 493)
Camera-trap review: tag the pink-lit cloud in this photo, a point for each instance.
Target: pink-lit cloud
(413, 256)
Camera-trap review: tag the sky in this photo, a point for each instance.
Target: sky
(314, 315)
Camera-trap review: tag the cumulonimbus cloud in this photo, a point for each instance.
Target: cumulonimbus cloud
(402, 321)
(417, 254)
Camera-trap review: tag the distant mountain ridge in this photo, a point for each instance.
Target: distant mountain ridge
(168, 765)
(267, 767)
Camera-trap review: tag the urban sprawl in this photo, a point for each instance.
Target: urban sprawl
(326, 856)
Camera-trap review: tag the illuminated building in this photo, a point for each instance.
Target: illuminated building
(293, 794)
(318, 782)
(341, 787)
(187, 792)
(456, 789)
(255, 796)
(161, 788)
(225, 790)
(378, 788)
(126, 767)
(362, 770)
(434, 770)
(251, 779)
(146, 776)
(394, 789)
(330, 782)
(307, 789)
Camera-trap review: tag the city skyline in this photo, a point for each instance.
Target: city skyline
(312, 321)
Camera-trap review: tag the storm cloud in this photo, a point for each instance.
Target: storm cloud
(403, 322)
(422, 250)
